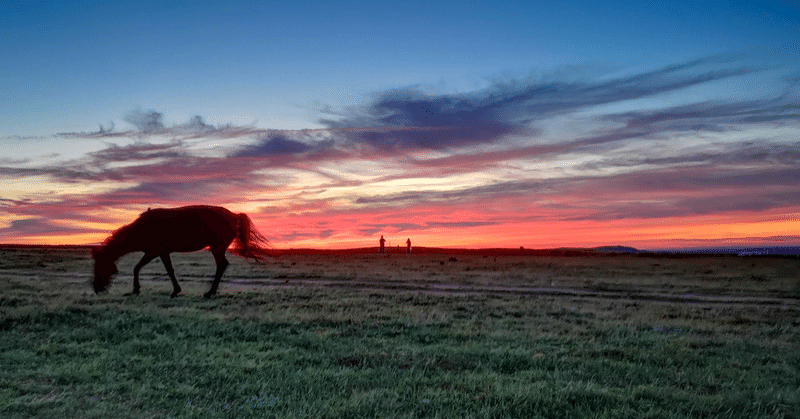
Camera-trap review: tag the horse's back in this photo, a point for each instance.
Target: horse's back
(189, 228)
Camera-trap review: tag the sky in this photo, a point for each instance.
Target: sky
(474, 124)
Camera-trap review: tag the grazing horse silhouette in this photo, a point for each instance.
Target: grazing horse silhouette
(159, 232)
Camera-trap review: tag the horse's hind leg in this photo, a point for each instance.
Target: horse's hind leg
(222, 264)
(176, 289)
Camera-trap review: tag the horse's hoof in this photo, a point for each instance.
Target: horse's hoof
(128, 294)
(209, 294)
(174, 294)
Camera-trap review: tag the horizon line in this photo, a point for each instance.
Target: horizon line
(603, 250)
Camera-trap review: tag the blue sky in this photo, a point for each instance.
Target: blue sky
(72, 65)
(81, 81)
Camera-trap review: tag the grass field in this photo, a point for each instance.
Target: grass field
(403, 336)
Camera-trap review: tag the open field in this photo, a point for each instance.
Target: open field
(421, 335)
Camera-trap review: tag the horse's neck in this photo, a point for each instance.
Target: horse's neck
(114, 251)
(120, 246)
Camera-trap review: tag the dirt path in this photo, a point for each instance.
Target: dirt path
(80, 280)
(444, 288)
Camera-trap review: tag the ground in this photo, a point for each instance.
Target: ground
(420, 335)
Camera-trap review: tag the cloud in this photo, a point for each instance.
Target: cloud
(295, 235)
(757, 153)
(425, 121)
(149, 124)
(197, 123)
(748, 179)
(711, 116)
(145, 121)
(139, 151)
(272, 145)
(411, 118)
(37, 226)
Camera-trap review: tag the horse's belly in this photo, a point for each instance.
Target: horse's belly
(184, 249)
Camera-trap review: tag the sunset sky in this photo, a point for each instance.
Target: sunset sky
(461, 124)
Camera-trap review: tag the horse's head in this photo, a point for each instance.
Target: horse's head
(104, 269)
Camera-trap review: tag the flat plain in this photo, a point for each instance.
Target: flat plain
(423, 335)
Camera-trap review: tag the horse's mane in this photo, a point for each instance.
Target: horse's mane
(122, 234)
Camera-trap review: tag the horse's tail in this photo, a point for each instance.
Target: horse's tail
(249, 242)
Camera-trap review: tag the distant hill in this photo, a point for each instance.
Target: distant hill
(741, 250)
(615, 249)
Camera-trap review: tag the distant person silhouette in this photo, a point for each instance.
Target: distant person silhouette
(408, 246)
(383, 245)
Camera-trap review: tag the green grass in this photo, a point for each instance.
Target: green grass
(314, 351)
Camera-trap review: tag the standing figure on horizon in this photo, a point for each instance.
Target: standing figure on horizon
(383, 245)
(408, 246)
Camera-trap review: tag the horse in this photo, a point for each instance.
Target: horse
(159, 232)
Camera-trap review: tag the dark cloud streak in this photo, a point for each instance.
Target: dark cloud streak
(448, 121)
(38, 226)
(145, 121)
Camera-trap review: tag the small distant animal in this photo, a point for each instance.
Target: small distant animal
(161, 231)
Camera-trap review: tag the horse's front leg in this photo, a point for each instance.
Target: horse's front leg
(176, 289)
(144, 261)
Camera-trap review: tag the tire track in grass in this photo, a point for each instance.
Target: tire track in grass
(80, 279)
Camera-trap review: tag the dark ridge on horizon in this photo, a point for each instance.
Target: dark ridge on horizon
(791, 251)
(47, 246)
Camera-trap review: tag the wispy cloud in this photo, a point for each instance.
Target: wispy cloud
(148, 125)
(40, 227)
(150, 121)
(413, 118)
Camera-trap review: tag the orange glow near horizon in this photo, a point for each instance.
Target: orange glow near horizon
(733, 229)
